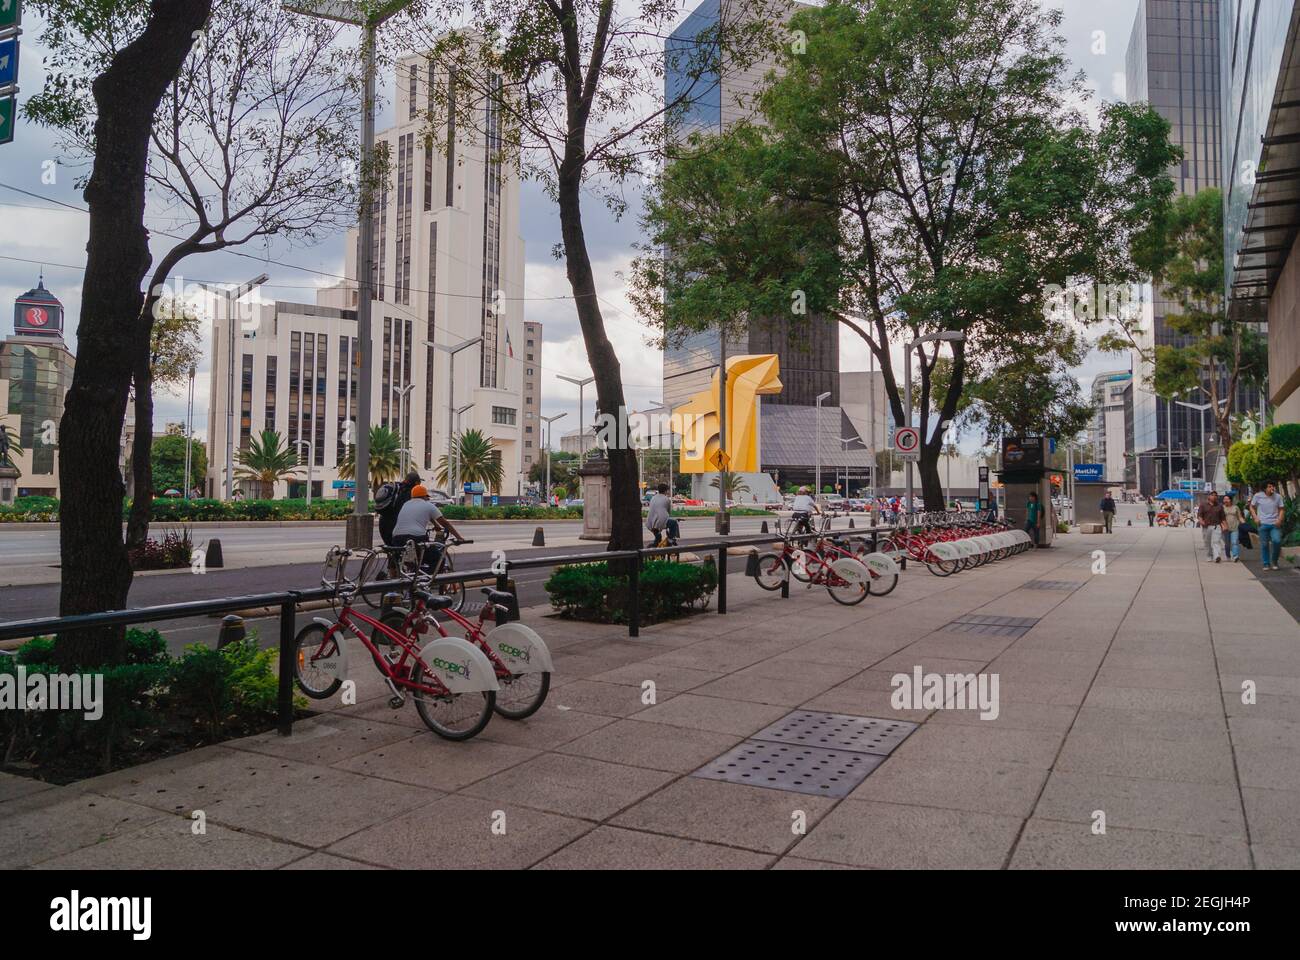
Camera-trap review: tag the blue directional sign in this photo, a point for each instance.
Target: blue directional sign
(8, 61)
(1089, 472)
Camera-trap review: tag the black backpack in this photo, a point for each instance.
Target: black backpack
(388, 499)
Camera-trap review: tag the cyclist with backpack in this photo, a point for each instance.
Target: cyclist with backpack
(389, 500)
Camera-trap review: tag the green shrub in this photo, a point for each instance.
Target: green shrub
(667, 589)
(37, 504)
(199, 683)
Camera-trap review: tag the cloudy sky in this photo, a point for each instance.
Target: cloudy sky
(36, 231)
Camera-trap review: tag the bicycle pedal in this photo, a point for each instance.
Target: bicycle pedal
(397, 701)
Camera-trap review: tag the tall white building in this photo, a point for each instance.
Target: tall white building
(449, 264)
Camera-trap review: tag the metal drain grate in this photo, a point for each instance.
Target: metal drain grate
(1052, 585)
(992, 626)
(800, 769)
(838, 731)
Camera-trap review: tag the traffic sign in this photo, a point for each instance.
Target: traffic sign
(8, 111)
(720, 459)
(11, 13)
(8, 61)
(907, 441)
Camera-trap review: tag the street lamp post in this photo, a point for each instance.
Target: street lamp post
(189, 431)
(360, 531)
(950, 335)
(548, 421)
(451, 391)
(582, 423)
(817, 443)
(459, 411)
(402, 394)
(1200, 408)
(231, 296)
(846, 441)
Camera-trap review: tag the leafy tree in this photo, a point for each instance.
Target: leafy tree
(1235, 471)
(268, 460)
(147, 54)
(1278, 456)
(385, 457)
(578, 88)
(562, 466)
(478, 461)
(919, 168)
(168, 454)
(1222, 352)
(1034, 395)
(253, 138)
(732, 483)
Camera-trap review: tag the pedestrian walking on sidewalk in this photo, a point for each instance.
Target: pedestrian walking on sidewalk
(1232, 526)
(1266, 507)
(1033, 510)
(1108, 511)
(1151, 511)
(1212, 520)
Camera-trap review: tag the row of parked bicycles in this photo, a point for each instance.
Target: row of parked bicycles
(456, 682)
(851, 570)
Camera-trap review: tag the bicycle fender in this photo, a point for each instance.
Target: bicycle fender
(799, 562)
(461, 666)
(880, 564)
(945, 550)
(851, 571)
(520, 648)
(336, 665)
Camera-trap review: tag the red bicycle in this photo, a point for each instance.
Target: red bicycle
(520, 659)
(845, 577)
(451, 681)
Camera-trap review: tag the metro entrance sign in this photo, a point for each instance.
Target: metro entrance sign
(907, 443)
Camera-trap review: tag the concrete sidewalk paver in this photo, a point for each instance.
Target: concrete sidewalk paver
(1164, 694)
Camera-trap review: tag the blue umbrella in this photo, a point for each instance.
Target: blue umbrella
(1174, 495)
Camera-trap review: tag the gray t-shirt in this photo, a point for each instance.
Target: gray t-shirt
(657, 515)
(1268, 508)
(415, 517)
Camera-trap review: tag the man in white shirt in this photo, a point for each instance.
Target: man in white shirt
(1266, 506)
(804, 507)
(414, 520)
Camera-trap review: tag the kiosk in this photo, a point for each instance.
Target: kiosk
(1025, 471)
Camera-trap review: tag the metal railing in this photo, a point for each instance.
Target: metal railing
(288, 600)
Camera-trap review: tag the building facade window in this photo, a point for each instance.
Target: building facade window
(308, 377)
(344, 388)
(387, 386)
(245, 400)
(268, 421)
(322, 359)
(295, 369)
(429, 350)
(505, 415)
(492, 306)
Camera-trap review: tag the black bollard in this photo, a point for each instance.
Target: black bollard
(213, 558)
(539, 538)
(232, 630)
(763, 529)
(751, 564)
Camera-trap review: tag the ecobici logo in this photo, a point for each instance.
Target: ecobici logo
(515, 652)
(457, 669)
(82, 692)
(76, 913)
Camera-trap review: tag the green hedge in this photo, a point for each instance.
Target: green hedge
(152, 703)
(168, 509)
(667, 589)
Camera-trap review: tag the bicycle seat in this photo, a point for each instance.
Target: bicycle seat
(498, 596)
(435, 601)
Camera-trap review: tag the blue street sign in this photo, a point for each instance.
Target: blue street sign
(344, 484)
(8, 61)
(1089, 472)
(1051, 444)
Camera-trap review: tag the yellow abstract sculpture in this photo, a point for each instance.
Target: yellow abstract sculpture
(748, 378)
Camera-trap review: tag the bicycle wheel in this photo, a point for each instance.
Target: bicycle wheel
(940, 568)
(454, 590)
(881, 584)
(522, 694)
(315, 681)
(799, 566)
(374, 569)
(844, 591)
(452, 716)
(770, 572)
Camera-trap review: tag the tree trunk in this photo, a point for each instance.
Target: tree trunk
(96, 574)
(625, 503)
(931, 483)
(137, 524)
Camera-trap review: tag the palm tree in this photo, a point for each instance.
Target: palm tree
(479, 461)
(385, 457)
(8, 444)
(732, 483)
(268, 459)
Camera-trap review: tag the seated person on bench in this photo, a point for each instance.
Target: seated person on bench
(413, 525)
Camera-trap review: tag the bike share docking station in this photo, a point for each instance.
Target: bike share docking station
(1025, 471)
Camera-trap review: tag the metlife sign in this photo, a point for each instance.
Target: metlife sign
(1089, 472)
